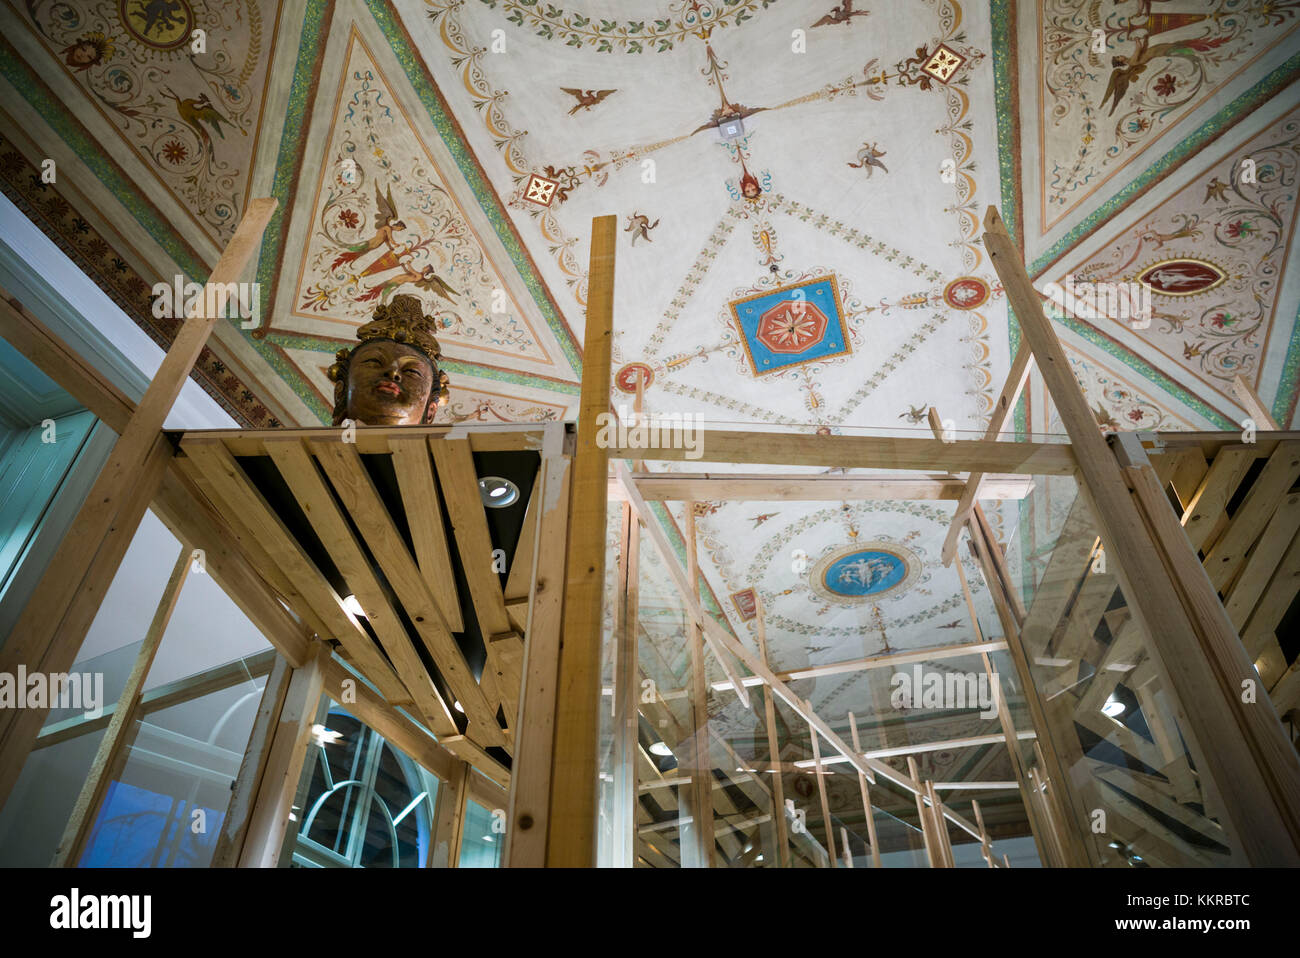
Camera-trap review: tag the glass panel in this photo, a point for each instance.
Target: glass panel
(166, 802)
(480, 845)
(834, 643)
(362, 803)
(1128, 760)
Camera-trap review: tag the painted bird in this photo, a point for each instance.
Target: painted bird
(1216, 188)
(842, 13)
(1128, 69)
(914, 414)
(868, 157)
(195, 112)
(424, 279)
(639, 225)
(760, 519)
(586, 98)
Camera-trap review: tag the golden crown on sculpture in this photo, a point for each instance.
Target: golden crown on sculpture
(402, 320)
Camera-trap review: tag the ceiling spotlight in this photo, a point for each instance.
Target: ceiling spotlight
(659, 748)
(497, 493)
(459, 708)
(1112, 708)
(353, 606)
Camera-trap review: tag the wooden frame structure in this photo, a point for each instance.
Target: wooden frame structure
(537, 695)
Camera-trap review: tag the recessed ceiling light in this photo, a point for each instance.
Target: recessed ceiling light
(353, 606)
(497, 493)
(459, 708)
(659, 748)
(1112, 707)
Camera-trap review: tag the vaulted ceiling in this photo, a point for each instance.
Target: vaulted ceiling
(1114, 135)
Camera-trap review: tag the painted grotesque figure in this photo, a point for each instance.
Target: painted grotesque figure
(392, 378)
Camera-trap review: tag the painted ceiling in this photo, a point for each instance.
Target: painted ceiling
(815, 266)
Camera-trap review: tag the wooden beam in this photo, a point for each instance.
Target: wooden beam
(1246, 591)
(701, 852)
(528, 824)
(60, 592)
(64, 624)
(360, 700)
(449, 818)
(1021, 366)
(244, 789)
(304, 481)
(1228, 554)
(724, 487)
(1255, 818)
(892, 660)
(865, 452)
(239, 497)
(459, 483)
(773, 743)
(355, 489)
(827, 827)
(189, 517)
(1251, 402)
(269, 818)
(112, 747)
(52, 356)
(572, 826)
(626, 690)
(428, 534)
(867, 810)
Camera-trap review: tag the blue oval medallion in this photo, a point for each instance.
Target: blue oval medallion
(864, 573)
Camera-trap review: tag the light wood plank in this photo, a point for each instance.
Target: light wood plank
(238, 496)
(357, 492)
(571, 841)
(244, 789)
(530, 793)
(269, 818)
(866, 452)
(1277, 477)
(300, 474)
(1264, 559)
(725, 487)
(424, 516)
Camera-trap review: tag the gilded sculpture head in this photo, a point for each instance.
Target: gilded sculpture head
(392, 378)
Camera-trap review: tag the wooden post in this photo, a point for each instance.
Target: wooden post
(244, 791)
(821, 794)
(1005, 603)
(932, 854)
(530, 778)
(773, 744)
(701, 765)
(112, 747)
(1258, 810)
(449, 818)
(571, 839)
(269, 817)
(1251, 402)
(986, 846)
(626, 688)
(866, 796)
(53, 624)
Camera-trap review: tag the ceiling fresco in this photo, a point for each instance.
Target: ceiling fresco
(799, 187)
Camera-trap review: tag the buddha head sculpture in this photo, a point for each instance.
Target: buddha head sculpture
(392, 378)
